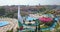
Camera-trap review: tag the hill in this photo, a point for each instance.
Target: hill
(11, 11)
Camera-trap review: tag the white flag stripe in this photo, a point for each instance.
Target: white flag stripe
(19, 15)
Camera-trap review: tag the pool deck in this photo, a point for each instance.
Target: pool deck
(13, 23)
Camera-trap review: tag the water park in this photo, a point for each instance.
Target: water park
(38, 22)
(44, 23)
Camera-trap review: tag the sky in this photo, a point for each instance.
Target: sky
(29, 2)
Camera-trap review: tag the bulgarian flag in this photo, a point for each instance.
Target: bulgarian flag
(20, 20)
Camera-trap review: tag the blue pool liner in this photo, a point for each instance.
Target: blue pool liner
(3, 23)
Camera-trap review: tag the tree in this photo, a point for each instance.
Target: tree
(42, 9)
(2, 11)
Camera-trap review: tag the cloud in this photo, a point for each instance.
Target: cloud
(29, 2)
(8, 2)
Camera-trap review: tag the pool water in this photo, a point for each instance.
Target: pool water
(30, 18)
(3, 23)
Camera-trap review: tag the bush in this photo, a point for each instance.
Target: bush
(49, 23)
(10, 30)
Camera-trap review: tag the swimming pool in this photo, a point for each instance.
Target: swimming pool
(3, 23)
(30, 18)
